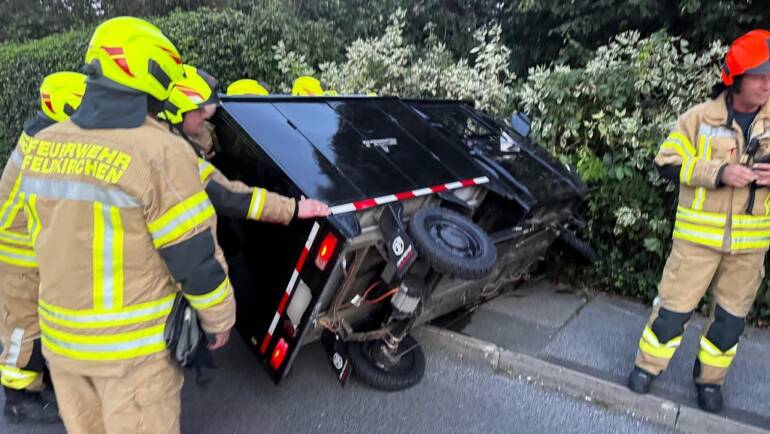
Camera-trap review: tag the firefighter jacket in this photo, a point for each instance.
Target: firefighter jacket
(18, 277)
(119, 222)
(16, 253)
(709, 213)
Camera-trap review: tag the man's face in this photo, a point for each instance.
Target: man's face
(194, 120)
(755, 90)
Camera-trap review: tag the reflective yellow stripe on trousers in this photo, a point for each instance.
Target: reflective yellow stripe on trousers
(649, 344)
(710, 355)
(15, 378)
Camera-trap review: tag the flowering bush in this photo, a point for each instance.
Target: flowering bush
(388, 65)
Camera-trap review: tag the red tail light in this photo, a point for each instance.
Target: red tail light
(279, 353)
(326, 251)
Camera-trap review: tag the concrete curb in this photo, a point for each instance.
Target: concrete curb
(582, 386)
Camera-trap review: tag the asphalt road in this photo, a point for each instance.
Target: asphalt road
(456, 396)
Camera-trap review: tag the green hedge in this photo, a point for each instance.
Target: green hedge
(227, 43)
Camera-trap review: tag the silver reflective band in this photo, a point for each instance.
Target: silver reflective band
(111, 316)
(751, 222)
(108, 348)
(19, 375)
(15, 347)
(188, 214)
(11, 237)
(700, 217)
(29, 258)
(77, 190)
(739, 240)
(707, 236)
(680, 145)
(710, 131)
(202, 165)
(203, 300)
(16, 158)
(108, 261)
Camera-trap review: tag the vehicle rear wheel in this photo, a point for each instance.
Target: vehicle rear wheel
(406, 373)
(452, 244)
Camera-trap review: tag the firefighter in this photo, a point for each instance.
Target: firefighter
(247, 86)
(115, 186)
(722, 228)
(192, 102)
(22, 362)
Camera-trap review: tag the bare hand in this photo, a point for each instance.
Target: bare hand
(736, 175)
(220, 339)
(762, 172)
(309, 208)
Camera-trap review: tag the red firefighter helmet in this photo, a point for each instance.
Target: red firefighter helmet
(749, 54)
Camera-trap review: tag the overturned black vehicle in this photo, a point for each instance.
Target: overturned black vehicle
(436, 208)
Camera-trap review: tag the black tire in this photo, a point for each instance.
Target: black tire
(452, 244)
(408, 372)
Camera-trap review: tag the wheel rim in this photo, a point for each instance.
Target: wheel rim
(454, 238)
(404, 363)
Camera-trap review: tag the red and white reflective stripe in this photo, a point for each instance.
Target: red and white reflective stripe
(368, 203)
(290, 287)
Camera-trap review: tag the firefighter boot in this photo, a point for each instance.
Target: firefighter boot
(639, 380)
(709, 395)
(22, 406)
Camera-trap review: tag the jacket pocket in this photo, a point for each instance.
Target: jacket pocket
(723, 148)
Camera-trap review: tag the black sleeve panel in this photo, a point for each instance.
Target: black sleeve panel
(670, 172)
(193, 265)
(228, 203)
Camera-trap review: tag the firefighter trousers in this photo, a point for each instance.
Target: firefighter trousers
(690, 271)
(146, 400)
(22, 363)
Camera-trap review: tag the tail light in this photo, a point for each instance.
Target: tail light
(326, 251)
(279, 353)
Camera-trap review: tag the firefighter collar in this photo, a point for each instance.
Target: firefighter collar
(107, 104)
(37, 123)
(716, 111)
